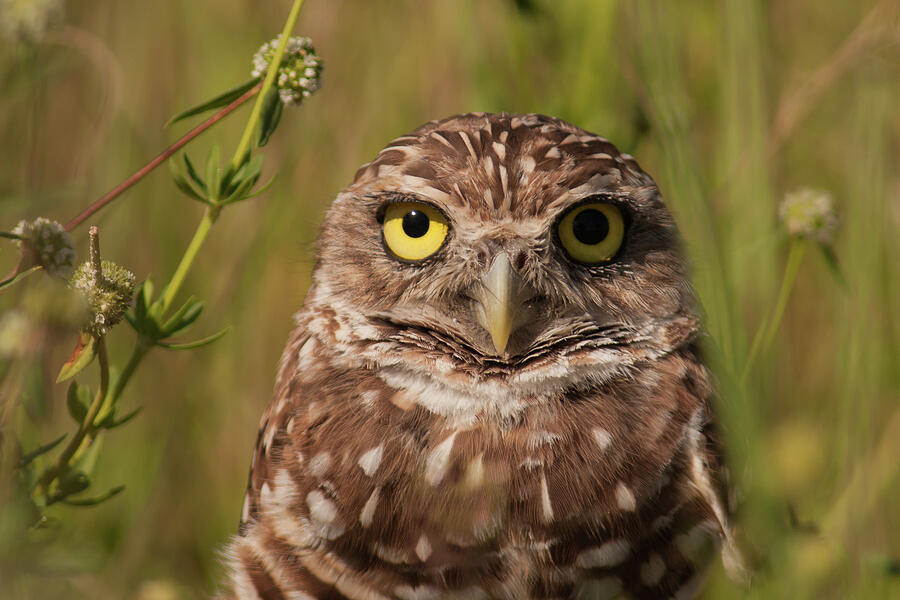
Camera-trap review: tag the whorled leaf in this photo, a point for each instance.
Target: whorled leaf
(78, 401)
(183, 318)
(270, 116)
(83, 354)
(96, 499)
(110, 422)
(187, 187)
(223, 99)
(195, 344)
(213, 181)
(26, 459)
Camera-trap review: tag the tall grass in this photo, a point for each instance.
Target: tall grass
(728, 105)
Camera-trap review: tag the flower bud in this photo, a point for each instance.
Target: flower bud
(300, 73)
(44, 242)
(108, 296)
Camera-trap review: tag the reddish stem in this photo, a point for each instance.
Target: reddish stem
(117, 191)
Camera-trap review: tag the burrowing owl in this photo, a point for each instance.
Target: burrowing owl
(493, 389)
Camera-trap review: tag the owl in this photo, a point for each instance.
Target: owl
(493, 389)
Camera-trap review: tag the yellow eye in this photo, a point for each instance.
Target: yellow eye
(592, 233)
(412, 230)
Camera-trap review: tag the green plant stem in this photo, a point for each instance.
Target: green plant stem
(141, 348)
(244, 146)
(206, 223)
(212, 213)
(766, 333)
(86, 429)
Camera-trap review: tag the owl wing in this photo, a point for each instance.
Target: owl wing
(274, 419)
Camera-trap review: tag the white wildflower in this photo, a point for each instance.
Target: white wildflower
(46, 243)
(300, 73)
(809, 213)
(27, 20)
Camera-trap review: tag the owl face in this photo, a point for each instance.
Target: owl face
(493, 241)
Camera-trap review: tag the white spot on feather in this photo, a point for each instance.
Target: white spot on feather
(692, 543)
(500, 151)
(323, 515)
(370, 461)
(468, 143)
(368, 511)
(423, 548)
(474, 477)
(602, 437)
(653, 570)
(546, 506)
(397, 556)
(265, 494)
(319, 464)
(527, 164)
(438, 460)
(625, 497)
(609, 554)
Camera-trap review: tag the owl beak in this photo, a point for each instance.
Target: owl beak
(499, 300)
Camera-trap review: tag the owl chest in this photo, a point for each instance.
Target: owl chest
(411, 492)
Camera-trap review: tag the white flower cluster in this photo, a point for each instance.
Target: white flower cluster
(809, 213)
(46, 243)
(300, 73)
(27, 19)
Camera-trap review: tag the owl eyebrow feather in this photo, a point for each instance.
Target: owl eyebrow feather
(386, 198)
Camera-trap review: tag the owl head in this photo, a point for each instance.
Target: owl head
(498, 245)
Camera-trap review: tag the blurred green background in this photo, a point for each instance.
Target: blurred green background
(729, 105)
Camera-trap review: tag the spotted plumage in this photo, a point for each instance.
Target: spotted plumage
(429, 439)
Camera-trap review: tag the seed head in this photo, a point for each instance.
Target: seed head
(810, 214)
(300, 73)
(108, 296)
(44, 242)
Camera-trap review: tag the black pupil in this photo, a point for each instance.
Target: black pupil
(590, 227)
(415, 223)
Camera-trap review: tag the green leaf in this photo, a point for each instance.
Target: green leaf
(223, 99)
(147, 291)
(249, 177)
(237, 179)
(195, 344)
(110, 421)
(212, 173)
(270, 116)
(183, 184)
(227, 181)
(83, 354)
(143, 300)
(834, 267)
(192, 172)
(261, 189)
(78, 401)
(10, 235)
(96, 499)
(28, 458)
(183, 318)
(18, 277)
